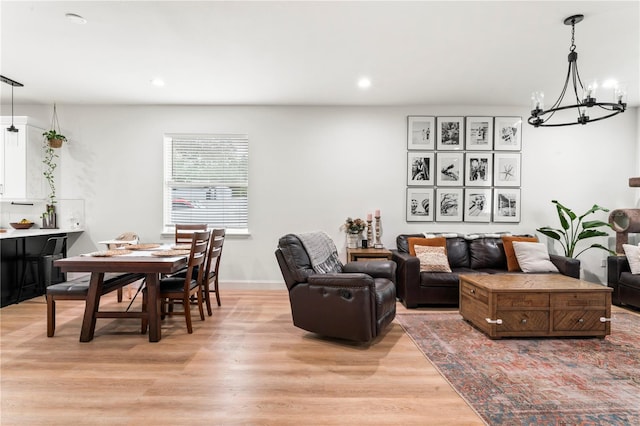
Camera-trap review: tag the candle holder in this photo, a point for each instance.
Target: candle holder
(369, 234)
(378, 243)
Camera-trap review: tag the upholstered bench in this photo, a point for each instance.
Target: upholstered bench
(78, 289)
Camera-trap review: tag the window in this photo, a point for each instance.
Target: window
(206, 180)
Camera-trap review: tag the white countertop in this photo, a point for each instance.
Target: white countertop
(35, 232)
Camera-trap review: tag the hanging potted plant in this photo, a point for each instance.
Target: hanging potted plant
(53, 136)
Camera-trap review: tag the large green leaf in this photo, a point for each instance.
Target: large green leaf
(563, 220)
(567, 210)
(595, 224)
(590, 233)
(550, 232)
(594, 209)
(598, 246)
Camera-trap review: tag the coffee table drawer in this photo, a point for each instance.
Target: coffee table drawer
(523, 321)
(579, 300)
(474, 292)
(576, 320)
(523, 300)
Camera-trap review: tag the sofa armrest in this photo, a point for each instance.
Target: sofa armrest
(616, 265)
(374, 268)
(346, 280)
(566, 265)
(407, 277)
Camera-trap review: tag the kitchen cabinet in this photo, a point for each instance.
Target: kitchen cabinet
(21, 155)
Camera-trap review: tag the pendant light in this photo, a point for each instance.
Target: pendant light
(13, 84)
(587, 108)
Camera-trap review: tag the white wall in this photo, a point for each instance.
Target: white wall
(311, 167)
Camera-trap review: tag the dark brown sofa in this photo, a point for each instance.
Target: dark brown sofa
(356, 304)
(466, 255)
(626, 286)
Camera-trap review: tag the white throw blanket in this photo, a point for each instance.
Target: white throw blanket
(322, 252)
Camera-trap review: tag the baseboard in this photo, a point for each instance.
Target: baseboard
(252, 285)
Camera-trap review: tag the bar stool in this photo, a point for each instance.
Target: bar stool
(41, 266)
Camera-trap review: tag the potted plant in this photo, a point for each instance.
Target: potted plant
(572, 232)
(53, 136)
(353, 228)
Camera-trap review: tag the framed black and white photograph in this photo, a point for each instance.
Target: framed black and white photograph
(478, 169)
(506, 169)
(479, 134)
(508, 134)
(450, 135)
(506, 206)
(449, 169)
(477, 205)
(420, 166)
(420, 205)
(421, 132)
(449, 204)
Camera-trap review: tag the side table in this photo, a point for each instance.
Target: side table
(366, 254)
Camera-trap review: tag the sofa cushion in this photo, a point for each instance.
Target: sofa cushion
(402, 241)
(533, 257)
(457, 252)
(630, 280)
(487, 253)
(633, 257)
(425, 242)
(507, 242)
(432, 259)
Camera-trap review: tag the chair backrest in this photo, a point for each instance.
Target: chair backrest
(54, 246)
(219, 234)
(184, 231)
(213, 256)
(197, 256)
(294, 261)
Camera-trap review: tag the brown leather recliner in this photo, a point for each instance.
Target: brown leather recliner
(355, 304)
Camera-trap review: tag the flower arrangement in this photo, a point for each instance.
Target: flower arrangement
(354, 226)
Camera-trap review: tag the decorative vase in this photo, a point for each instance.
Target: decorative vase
(352, 240)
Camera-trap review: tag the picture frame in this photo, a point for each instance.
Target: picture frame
(478, 169)
(479, 133)
(420, 167)
(506, 205)
(477, 205)
(449, 204)
(421, 132)
(506, 169)
(449, 168)
(450, 133)
(420, 204)
(508, 134)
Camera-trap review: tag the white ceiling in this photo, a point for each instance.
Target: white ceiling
(311, 53)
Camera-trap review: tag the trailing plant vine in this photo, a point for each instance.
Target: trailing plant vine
(50, 161)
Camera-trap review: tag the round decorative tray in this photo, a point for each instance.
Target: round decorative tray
(142, 246)
(18, 225)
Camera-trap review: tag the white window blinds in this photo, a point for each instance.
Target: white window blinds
(206, 180)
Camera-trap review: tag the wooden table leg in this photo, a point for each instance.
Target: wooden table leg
(91, 307)
(153, 308)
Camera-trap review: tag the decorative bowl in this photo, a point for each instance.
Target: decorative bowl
(18, 225)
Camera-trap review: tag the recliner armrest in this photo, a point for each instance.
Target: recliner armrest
(341, 280)
(374, 268)
(566, 265)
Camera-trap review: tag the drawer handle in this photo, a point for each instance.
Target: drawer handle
(490, 321)
(523, 321)
(603, 319)
(581, 320)
(472, 291)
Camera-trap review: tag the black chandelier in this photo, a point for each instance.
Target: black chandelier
(584, 104)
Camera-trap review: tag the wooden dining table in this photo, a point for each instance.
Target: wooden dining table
(141, 263)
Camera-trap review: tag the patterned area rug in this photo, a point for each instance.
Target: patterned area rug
(535, 381)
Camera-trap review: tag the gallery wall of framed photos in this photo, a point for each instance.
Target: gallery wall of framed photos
(463, 169)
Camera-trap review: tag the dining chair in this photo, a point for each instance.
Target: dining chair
(127, 238)
(217, 234)
(175, 289)
(41, 266)
(184, 231)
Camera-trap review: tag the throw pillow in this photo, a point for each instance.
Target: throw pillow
(533, 257)
(432, 259)
(429, 242)
(633, 256)
(507, 243)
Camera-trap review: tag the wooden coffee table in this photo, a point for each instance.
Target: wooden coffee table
(527, 305)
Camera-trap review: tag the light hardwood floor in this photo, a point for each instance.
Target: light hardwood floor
(245, 365)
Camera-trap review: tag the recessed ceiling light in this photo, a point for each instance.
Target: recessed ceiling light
(364, 83)
(77, 19)
(157, 82)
